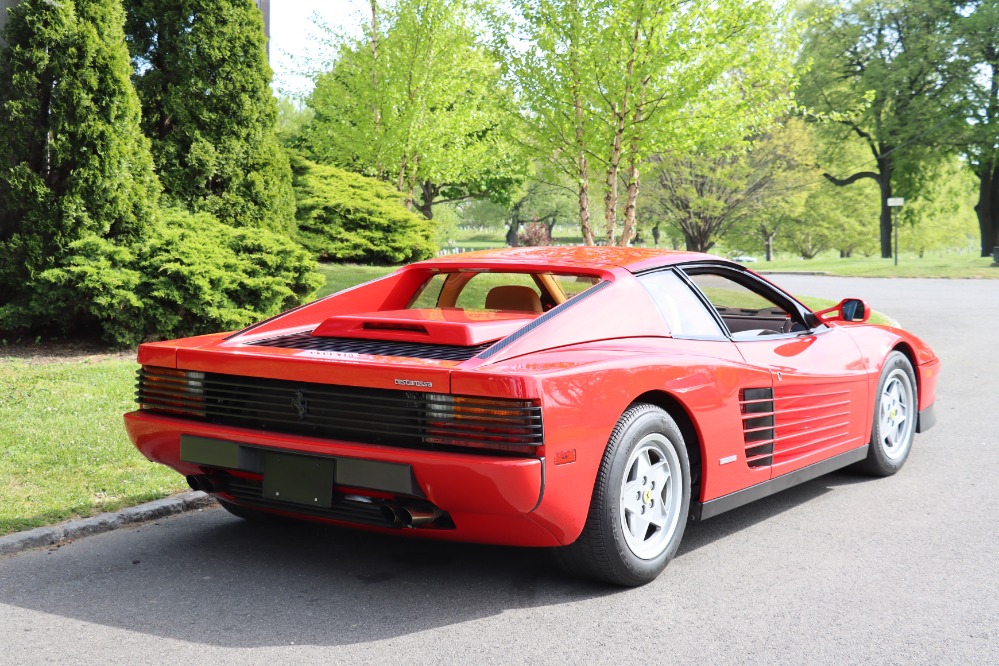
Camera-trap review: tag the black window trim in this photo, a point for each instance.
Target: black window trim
(743, 277)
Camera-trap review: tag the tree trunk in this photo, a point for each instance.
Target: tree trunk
(630, 203)
(987, 208)
(428, 192)
(374, 79)
(610, 198)
(770, 247)
(884, 180)
(513, 232)
(697, 238)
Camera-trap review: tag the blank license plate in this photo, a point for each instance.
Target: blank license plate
(298, 479)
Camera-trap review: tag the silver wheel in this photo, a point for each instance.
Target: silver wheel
(896, 414)
(651, 493)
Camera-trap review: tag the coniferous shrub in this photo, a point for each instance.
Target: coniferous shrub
(76, 175)
(189, 274)
(343, 216)
(207, 105)
(203, 276)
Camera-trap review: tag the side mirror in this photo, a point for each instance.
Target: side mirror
(849, 309)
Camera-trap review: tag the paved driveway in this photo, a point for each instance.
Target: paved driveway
(839, 570)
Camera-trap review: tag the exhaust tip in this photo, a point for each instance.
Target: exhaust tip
(193, 482)
(392, 515)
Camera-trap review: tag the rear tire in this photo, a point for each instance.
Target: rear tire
(640, 502)
(896, 408)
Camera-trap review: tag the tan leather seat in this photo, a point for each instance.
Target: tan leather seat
(513, 297)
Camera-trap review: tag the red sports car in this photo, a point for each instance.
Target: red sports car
(589, 399)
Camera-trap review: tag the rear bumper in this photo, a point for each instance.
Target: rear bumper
(489, 500)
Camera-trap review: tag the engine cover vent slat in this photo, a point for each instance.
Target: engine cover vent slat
(307, 341)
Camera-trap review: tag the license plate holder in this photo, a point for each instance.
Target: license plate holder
(298, 479)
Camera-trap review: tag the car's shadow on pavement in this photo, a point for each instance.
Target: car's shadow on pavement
(212, 579)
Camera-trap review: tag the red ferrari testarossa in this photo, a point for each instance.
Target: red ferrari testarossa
(589, 399)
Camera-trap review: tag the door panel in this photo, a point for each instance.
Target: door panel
(820, 395)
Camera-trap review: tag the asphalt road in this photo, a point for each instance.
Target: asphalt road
(840, 570)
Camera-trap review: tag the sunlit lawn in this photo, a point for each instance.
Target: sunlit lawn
(63, 448)
(909, 265)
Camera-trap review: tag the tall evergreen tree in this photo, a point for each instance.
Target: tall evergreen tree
(204, 83)
(74, 165)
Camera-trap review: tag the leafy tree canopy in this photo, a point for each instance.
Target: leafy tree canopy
(418, 103)
(883, 71)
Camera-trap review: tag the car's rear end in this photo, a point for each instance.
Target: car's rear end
(344, 411)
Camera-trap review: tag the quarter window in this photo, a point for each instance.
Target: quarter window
(684, 313)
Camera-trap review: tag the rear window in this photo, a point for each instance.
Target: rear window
(490, 290)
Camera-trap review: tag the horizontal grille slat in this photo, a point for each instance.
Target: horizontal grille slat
(308, 342)
(376, 416)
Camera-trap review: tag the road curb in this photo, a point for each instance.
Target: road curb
(105, 522)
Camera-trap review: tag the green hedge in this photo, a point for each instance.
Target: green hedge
(189, 274)
(343, 216)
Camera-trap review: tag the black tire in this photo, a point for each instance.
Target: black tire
(891, 440)
(604, 551)
(250, 514)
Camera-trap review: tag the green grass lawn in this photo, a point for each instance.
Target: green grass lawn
(63, 448)
(940, 266)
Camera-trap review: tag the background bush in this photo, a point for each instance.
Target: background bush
(344, 216)
(190, 274)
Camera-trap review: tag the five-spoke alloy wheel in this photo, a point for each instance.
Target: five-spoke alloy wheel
(896, 409)
(640, 502)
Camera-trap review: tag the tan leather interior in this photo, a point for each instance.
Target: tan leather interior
(513, 297)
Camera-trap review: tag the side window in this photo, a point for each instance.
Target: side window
(684, 313)
(746, 313)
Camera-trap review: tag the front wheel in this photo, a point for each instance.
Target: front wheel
(895, 412)
(640, 502)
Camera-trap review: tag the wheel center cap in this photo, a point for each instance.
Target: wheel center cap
(647, 496)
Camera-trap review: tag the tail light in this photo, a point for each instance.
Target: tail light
(170, 390)
(512, 426)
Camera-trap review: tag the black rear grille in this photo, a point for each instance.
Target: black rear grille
(310, 342)
(375, 416)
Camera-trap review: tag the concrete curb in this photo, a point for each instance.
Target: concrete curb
(105, 522)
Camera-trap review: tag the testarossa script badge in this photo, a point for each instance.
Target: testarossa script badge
(413, 382)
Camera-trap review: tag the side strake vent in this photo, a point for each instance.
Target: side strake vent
(757, 408)
(310, 342)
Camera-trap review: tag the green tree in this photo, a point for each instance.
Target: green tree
(884, 71)
(758, 186)
(613, 80)
(74, 165)
(417, 102)
(204, 83)
(943, 216)
(978, 45)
